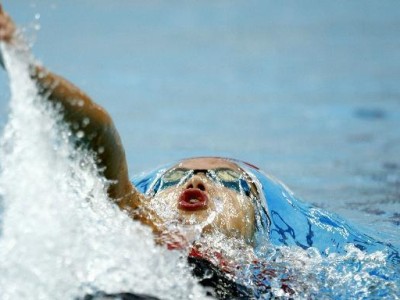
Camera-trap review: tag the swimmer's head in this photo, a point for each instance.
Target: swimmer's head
(210, 194)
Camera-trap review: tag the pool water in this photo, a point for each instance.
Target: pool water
(305, 90)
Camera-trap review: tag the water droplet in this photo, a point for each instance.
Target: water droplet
(100, 150)
(80, 103)
(80, 134)
(85, 122)
(37, 16)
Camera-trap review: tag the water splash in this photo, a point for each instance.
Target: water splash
(301, 251)
(61, 238)
(289, 272)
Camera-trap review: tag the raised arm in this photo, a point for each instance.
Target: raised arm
(87, 118)
(94, 128)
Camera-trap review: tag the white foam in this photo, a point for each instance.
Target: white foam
(61, 237)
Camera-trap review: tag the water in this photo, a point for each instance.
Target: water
(315, 85)
(302, 251)
(61, 238)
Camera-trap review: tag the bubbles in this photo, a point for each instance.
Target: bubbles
(80, 134)
(36, 25)
(100, 150)
(85, 122)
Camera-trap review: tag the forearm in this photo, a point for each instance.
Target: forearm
(99, 136)
(92, 126)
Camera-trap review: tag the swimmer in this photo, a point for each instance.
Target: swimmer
(203, 196)
(214, 194)
(197, 198)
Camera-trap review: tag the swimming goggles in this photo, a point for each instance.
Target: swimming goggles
(229, 178)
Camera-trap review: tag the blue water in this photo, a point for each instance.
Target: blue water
(306, 90)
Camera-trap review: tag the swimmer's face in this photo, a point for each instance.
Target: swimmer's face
(208, 194)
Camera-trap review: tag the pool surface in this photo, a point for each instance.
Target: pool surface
(306, 90)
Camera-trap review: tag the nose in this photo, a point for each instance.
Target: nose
(197, 182)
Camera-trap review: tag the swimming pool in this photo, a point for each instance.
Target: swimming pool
(306, 91)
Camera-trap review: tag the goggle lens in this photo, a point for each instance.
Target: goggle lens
(227, 177)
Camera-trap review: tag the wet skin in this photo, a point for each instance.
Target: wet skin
(223, 210)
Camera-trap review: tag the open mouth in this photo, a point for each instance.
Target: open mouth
(193, 199)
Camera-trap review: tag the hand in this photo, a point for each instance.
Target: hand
(7, 27)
